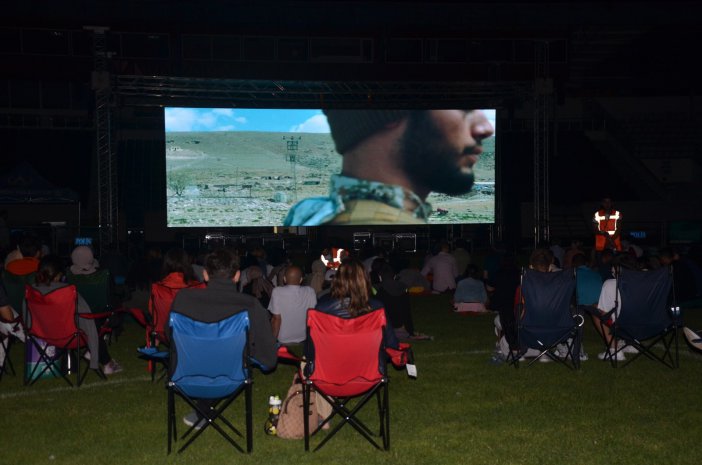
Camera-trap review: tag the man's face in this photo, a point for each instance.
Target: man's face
(607, 204)
(440, 147)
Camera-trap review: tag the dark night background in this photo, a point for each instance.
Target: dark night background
(626, 100)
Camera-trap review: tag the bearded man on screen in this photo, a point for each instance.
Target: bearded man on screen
(392, 160)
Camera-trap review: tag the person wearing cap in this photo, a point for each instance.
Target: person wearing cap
(83, 261)
(392, 160)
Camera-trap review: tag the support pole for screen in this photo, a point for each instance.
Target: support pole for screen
(543, 92)
(106, 163)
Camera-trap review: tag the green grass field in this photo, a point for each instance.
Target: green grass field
(461, 410)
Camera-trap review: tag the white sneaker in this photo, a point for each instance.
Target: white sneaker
(606, 356)
(629, 349)
(112, 367)
(584, 357)
(191, 419)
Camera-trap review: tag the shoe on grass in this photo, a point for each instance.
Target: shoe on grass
(629, 349)
(112, 367)
(193, 419)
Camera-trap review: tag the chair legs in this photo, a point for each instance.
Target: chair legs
(212, 417)
(51, 363)
(347, 415)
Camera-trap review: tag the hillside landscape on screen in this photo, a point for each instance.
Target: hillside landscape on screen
(247, 167)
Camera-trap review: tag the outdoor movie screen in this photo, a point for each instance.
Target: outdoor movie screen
(247, 167)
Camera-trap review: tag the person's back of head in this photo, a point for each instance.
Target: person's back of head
(626, 262)
(293, 276)
(222, 263)
(579, 260)
(51, 269)
(541, 259)
(666, 255)
(30, 246)
(351, 282)
(444, 247)
(472, 271)
(177, 260)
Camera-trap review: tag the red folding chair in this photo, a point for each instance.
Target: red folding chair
(54, 320)
(160, 304)
(346, 365)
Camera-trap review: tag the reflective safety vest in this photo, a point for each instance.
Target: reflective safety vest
(607, 222)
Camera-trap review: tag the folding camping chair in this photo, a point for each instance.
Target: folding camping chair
(545, 319)
(209, 362)
(54, 320)
(647, 316)
(347, 366)
(160, 303)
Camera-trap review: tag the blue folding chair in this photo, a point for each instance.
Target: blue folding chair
(546, 319)
(647, 316)
(209, 361)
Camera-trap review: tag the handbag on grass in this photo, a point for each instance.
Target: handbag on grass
(290, 421)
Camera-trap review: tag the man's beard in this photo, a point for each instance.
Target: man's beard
(429, 161)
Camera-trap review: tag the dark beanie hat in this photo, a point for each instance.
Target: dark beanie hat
(349, 127)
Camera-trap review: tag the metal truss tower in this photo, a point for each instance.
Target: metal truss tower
(106, 162)
(543, 101)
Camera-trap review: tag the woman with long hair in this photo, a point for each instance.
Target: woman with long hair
(350, 296)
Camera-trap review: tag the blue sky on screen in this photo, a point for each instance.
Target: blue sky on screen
(238, 119)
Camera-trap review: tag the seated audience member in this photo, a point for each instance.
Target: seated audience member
(29, 255)
(13, 255)
(558, 252)
(683, 275)
(393, 294)
(350, 296)
(604, 265)
(280, 262)
(504, 284)
(220, 300)
(372, 254)
(258, 285)
(576, 247)
(461, 254)
(49, 278)
(375, 268)
(541, 259)
(471, 295)
(83, 261)
(8, 326)
(317, 277)
(289, 304)
(609, 298)
(444, 270)
(588, 282)
(414, 281)
(177, 271)
(178, 274)
(199, 265)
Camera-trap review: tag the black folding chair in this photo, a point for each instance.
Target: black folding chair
(648, 316)
(546, 319)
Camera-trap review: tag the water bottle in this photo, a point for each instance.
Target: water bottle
(271, 425)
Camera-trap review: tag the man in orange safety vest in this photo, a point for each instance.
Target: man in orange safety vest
(606, 224)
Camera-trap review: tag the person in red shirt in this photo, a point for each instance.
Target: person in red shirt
(29, 263)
